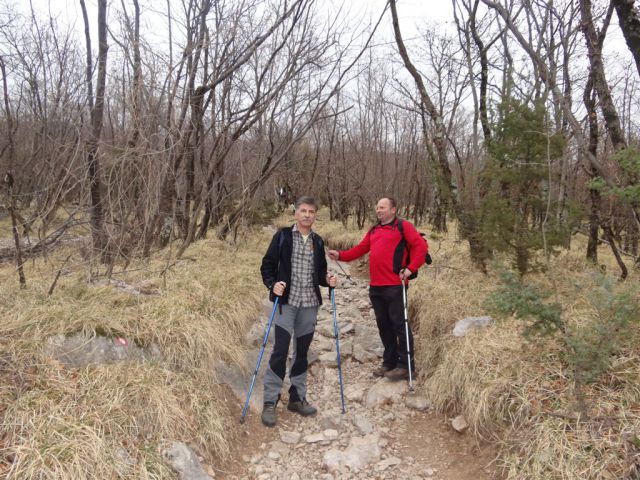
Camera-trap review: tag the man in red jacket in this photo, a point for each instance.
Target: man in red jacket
(387, 270)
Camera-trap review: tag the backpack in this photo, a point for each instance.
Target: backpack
(397, 256)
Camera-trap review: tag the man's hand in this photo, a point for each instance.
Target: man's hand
(334, 255)
(332, 281)
(405, 273)
(278, 288)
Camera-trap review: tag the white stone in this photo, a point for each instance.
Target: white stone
(314, 438)
(290, 438)
(362, 423)
(464, 326)
(417, 402)
(460, 424)
(332, 460)
(273, 456)
(185, 462)
(362, 451)
(362, 355)
(330, 420)
(329, 359)
(354, 394)
(383, 392)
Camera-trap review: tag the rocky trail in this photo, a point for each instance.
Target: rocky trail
(387, 432)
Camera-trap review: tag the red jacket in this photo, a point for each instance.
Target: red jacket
(381, 241)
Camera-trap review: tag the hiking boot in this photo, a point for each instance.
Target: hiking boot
(397, 374)
(269, 414)
(303, 408)
(381, 370)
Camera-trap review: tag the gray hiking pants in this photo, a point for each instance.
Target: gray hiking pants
(298, 323)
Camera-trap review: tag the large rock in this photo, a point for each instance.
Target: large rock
(239, 379)
(349, 314)
(329, 359)
(323, 344)
(464, 326)
(460, 424)
(330, 420)
(362, 423)
(354, 393)
(362, 451)
(367, 338)
(332, 460)
(325, 329)
(417, 402)
(81, 350)
(383, 392)
(185, 462)
(362, 355)
(290, 438)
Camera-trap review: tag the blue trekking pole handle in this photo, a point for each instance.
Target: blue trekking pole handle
(255, 373)
(337, 336)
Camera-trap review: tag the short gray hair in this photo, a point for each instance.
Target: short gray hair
(306, 200)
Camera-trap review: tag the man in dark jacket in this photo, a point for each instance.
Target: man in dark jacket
(387, 270)
(293, 269)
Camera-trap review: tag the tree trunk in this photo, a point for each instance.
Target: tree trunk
(589, 101)
(484, 75)
(609, 237)
(629, 20)
(97, 110)
(594, 46)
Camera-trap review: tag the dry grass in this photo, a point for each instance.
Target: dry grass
(112, 420)
(66, 423)
(518, 392)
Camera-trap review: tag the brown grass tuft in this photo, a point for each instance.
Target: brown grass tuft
(518, 392)
(113, 420)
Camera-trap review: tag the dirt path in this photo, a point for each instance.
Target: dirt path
(387, 432)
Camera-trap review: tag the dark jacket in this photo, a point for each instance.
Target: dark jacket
(276, 263)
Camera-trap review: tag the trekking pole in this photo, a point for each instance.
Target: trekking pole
(345, 273)
(255, 373)
(406, 333)
(336, 333)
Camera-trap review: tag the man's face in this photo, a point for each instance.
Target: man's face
(384, 211)
(305, 215)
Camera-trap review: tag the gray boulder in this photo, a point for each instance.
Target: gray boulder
(185, 462)
(464, 326)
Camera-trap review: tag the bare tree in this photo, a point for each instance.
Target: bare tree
(467, 222)
(97, 110)
(600, 84)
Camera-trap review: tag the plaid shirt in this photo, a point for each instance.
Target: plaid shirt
(302, 293)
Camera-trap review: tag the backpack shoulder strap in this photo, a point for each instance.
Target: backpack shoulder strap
(400, 227)
(281, 235)
(373, 227)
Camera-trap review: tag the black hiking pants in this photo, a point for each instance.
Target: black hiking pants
(389, 309)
